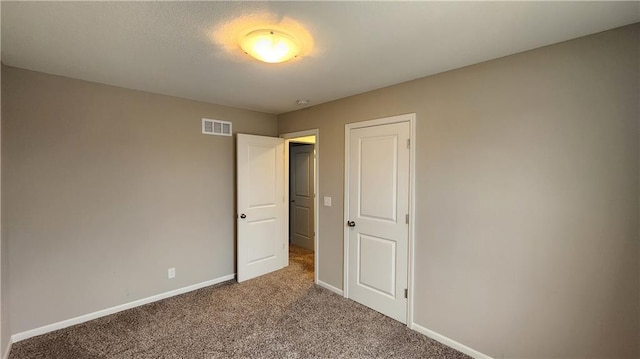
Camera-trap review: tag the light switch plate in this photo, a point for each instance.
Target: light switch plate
(327, 201)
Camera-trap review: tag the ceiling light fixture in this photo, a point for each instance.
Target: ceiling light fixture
(270, 46)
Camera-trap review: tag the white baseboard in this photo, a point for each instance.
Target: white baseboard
(118, 308)
(330, 287)
(6, 352)
(449, 342)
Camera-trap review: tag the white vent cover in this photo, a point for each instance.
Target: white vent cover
(216, 127)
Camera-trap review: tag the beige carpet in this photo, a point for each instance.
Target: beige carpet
(279, 315)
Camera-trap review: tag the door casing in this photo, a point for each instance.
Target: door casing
(411, 118)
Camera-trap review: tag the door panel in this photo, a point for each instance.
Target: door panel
(262, 178)
(378, 194)
(302, 167)
(377, 269)
(301, 195)
(378, 165)
(260, 203)
(301, 222)
(260, 246)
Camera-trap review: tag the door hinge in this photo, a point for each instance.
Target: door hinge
(406, 293)
(406, 218)
(408, 143)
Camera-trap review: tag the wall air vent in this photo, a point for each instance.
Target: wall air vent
(216, 127)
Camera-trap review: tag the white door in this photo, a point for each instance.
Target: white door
(260, 203)
(301, 193)
(378, 234)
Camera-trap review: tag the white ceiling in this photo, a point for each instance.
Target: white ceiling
(174, 48)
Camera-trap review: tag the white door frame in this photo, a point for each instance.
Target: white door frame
(411, 118)
(316, 173)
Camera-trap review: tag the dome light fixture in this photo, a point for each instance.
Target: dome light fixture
(271, 46)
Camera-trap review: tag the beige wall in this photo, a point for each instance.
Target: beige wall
(105, 188)
(4, 262)
(5, 333)
(527, 200)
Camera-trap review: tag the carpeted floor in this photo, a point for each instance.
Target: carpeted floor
(279, 315)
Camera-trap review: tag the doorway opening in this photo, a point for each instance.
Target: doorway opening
(301, 189)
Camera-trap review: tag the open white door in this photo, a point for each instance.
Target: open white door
(260, 203)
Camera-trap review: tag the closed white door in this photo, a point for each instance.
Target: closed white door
(378, 234)
(260, 203)
(301, 194)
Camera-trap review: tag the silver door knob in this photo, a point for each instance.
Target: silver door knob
(351, 223)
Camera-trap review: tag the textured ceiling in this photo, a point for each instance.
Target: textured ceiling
(182, 48)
